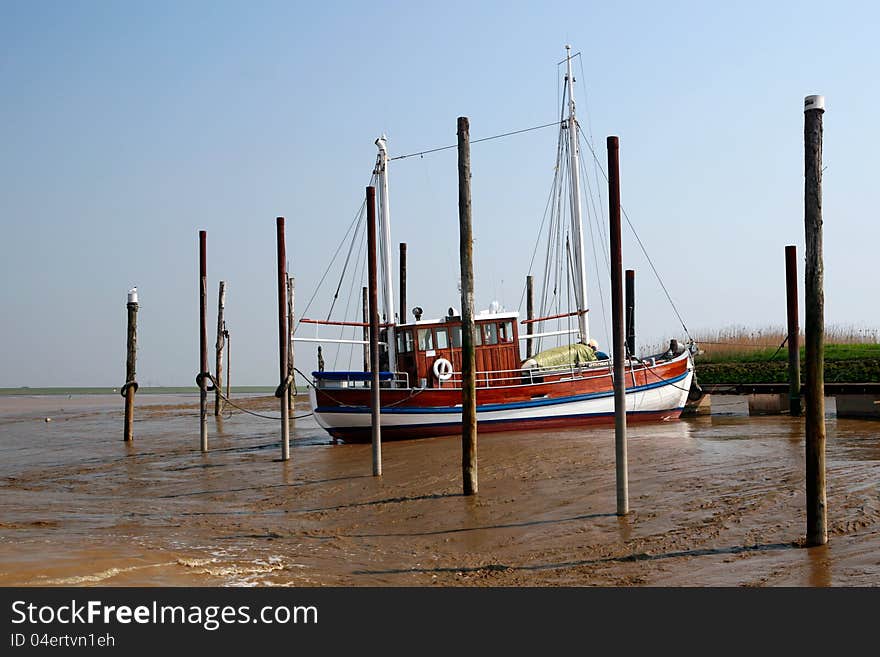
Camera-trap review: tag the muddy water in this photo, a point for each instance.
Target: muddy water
(716, 501)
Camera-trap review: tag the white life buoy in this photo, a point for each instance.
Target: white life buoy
(442, 369)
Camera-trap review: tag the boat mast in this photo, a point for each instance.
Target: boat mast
(577, 230)
(385, 245)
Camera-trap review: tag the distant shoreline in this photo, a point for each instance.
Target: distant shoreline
(157, 390)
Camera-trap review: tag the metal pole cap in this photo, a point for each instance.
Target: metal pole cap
(814, 102)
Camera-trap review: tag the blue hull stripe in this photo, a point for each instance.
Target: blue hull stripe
(487, 408)
(577, 416)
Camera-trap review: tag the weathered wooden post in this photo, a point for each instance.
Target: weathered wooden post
(814, 333)
(530, 315)
(365, 300)
(130, 386)
(468, 365)
(373, 283)
(794, 331)
(221, 335)
(203, 339)
(283, 339)
(291, 389)
(617, 327)
(631, 312)
(402, 319)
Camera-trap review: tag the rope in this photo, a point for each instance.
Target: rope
(473, 141)
(128, 384)
(285, 383)
(782, 344)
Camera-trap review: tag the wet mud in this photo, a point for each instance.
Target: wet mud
(716, 501)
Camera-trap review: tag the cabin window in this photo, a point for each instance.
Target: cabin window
(456, 337)
(404, 342)
(426, 339)
(442, 338)
(505, 332)
(491, 333)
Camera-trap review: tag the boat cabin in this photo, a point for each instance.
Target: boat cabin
(421, 344)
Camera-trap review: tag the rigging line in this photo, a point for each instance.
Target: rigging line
(474, 141)
(345, 266)
(645, 252)
(553, 229)
(598, 217)
(355, 278)
(590, 131)
(330, 265)
(605, 249)
(538, 240)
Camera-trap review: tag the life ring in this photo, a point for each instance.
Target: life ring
(442, 369)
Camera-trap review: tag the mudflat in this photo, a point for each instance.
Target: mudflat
(716, 501)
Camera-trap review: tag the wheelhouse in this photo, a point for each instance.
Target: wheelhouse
(421, 344)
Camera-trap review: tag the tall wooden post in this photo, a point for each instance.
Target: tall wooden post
(617, 327)
(794, 331)
(283, 338)
(203, 339)
(814, 334)
(373, 283)
(530, 315)
(131, 385)
(468, 365)
(365, 299)
(221, 336)
(291, 390)
(631, 312)
(402, 319)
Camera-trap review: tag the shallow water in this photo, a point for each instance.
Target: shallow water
(715, 501)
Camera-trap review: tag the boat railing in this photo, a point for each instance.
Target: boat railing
(358, 379)
(534, 375)
(499, 378)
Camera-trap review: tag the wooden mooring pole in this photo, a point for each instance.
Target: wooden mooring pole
(131, 385)
(373, 284)
(203, 339)
(617, 327)
(530, 315)
(221, 337)
(402, 318)
(631, 311)
(291, 389)
(794, 331)
(283, 340)
(468, 364)
(814, 333)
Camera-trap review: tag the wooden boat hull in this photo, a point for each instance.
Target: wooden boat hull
(653, 394)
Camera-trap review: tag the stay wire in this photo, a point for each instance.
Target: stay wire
(474, 141)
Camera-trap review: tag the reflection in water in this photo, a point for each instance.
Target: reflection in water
(820, 565)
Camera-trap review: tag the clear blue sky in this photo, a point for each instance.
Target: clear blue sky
(127, 127)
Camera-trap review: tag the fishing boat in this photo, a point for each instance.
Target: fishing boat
(569, 385)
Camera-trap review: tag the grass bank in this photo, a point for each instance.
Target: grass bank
(740, 355)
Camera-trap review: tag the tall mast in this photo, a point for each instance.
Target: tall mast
(385, 244)
(577, 230)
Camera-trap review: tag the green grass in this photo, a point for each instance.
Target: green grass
(764, 354)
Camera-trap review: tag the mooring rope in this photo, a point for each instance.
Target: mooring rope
(285, 384)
